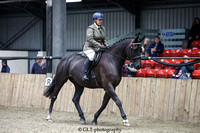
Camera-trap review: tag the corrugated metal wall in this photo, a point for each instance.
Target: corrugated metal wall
(171, 18)
(30, 40)
(117, 23)
(76, 27)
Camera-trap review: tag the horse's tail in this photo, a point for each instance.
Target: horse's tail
(60, 77)
(50, 89)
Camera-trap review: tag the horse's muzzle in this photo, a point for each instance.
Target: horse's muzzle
(137, 63)
(138, 67)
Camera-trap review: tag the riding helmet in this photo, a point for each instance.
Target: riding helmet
(98, 15)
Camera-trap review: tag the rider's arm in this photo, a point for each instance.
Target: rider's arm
(105, 41)
(105, 38)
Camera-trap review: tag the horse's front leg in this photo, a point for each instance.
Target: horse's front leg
(111, 91)
(106, 99)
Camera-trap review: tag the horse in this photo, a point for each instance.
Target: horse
(107, 72)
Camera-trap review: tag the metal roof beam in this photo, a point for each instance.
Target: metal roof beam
(126, 4)
(147, 7)
(19, 33)
(14, 1)
(36, 11)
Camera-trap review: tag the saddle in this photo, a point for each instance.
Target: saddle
(96, 60)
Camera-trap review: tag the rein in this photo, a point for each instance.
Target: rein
(169, 64)
(150, 58)
(137, 57)
(114, 54)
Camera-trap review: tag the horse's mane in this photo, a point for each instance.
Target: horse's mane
(123, 39)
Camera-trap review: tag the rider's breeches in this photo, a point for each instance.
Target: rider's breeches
(90, 54)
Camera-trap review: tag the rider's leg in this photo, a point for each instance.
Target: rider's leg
(88, 62)
(87, 65)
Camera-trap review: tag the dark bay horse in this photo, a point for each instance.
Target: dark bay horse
(107, 72)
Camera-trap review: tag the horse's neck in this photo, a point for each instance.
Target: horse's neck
(119, 49)
(118, 53)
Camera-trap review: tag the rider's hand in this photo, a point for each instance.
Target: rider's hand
(107, 47)
(103, 47)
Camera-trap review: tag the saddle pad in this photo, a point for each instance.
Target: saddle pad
(82, 54)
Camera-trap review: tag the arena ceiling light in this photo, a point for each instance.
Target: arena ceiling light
(68, 1)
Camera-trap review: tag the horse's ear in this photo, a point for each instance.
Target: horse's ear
(136, 38)
(142, 39)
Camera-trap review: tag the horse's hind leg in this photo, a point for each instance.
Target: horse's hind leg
(58, 85)
(78, 92)
(106, 99)
(49, 118)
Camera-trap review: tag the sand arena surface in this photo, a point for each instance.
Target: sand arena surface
(27, 120)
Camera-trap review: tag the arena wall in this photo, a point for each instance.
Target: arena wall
(166, 99)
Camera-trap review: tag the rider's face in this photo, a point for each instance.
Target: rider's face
(99, 22)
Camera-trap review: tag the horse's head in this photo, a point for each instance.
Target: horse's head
(133, 51)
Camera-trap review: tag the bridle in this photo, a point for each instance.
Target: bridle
(131, 46)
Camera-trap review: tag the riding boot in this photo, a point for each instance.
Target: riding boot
(87, 65)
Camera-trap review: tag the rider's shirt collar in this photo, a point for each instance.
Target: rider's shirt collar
(97, 25)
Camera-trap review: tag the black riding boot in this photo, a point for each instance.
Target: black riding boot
(87, 65)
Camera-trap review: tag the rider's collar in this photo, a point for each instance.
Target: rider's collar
(97, 25)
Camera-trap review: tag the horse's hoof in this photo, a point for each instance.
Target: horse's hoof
(49, 120)
(126, 123)
(94, 123)
(82, 121)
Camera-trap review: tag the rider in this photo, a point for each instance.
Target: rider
(95, 39)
